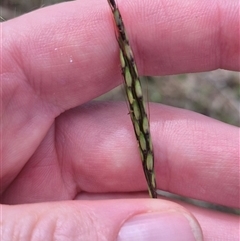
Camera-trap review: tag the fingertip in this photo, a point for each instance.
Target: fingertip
(165, 225)
(122, 219)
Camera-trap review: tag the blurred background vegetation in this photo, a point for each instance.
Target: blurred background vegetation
(215, 94)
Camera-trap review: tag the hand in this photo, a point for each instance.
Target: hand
(57, 147)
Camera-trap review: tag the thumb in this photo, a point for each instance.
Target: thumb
(140, 219)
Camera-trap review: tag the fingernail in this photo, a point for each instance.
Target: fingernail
(162, 226)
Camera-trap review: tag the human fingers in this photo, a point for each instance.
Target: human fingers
(68, 56)
(215, 225)
(100, 220)
(93, 149)
(79, 48)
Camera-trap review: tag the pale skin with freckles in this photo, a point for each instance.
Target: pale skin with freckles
(52, 138)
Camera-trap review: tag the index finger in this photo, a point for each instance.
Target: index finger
(71, 46)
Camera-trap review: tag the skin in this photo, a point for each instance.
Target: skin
(57, 146)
